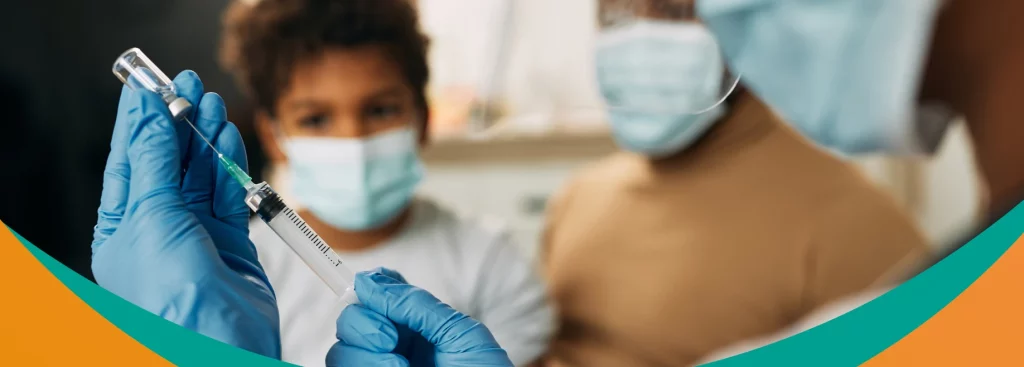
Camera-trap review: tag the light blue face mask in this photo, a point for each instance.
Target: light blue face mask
(662, 83)
(355, 184)
(844, 72)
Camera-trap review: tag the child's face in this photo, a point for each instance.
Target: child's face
(347, 93)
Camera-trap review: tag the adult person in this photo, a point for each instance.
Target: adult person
(723, 215)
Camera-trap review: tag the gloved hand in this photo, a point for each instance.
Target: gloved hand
(397, 324)
(172, 235)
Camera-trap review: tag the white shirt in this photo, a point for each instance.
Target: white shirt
(470, 264)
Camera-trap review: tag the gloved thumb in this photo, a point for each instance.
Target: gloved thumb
(154, 154)
(450, 331)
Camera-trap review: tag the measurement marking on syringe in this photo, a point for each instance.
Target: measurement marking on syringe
(312, 236)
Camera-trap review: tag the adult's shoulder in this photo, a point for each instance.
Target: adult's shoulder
(618, 164)
(595, 177)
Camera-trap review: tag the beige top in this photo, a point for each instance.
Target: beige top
(816, 318)
(746, 232)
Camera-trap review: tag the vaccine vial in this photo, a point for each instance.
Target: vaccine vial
(137, 71)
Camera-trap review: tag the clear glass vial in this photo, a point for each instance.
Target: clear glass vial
(137, 71)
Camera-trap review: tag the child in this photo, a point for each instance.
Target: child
(339, 87)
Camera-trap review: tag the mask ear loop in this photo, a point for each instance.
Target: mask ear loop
(721, 100)
(725, 96)
(419, 133)
(279, 136)
(729, 92)
(279, 176)
(422, 133)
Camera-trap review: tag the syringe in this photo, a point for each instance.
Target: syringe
(136, 70)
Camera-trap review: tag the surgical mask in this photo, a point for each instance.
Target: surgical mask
(844, 72)
(662, 83)
(355, 184)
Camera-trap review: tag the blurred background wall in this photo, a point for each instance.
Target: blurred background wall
(515, 111)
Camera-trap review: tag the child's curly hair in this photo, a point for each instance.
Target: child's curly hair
(264, 41)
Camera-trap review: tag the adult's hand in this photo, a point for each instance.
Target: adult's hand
(172, 235)
(397, 324)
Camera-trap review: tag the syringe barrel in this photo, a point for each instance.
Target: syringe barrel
(303, 240)
(136, 70)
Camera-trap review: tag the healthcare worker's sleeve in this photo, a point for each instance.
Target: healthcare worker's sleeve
(514, 304)
(863, 239)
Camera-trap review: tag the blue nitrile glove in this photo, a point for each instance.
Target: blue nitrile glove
(172, 235)
(397, 324)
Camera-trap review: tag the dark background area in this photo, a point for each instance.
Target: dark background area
(59, 99)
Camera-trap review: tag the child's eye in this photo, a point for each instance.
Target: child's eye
(313, 122)
(383, 112)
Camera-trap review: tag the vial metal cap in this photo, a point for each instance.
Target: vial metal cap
(179, 108)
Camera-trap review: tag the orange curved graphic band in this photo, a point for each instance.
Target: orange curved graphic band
(981, 327)
(42, 323)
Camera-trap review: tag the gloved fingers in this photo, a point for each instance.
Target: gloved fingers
(361, 328)
(201, 166)
(415, 347)
(188, 86)
(393, 274)
(234, 247)
(229, 195)
(154, 156)
(342, 355)
(116, 175)
(447, 329)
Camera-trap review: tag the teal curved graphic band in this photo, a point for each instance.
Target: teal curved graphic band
(848, 340)
(178, 345)
(856, 337)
